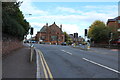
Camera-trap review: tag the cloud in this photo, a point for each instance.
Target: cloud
(101, 7)
(73, 28)
(71, 10)
(101, 13)
(87, 17)
(73, 0)
(27, 8)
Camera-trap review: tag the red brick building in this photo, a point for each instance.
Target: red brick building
(50, 34)
(115, 23)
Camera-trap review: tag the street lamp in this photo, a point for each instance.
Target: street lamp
(28, 14)
(29, 25)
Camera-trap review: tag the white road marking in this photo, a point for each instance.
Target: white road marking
(66, 52)
(69, 53)
(101, 65)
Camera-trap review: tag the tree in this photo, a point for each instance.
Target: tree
(99, 32)
(68, 40)
(13, 23)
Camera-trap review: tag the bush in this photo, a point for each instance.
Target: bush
(12, 27)
(13, 22)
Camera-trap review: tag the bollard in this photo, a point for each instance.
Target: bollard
(88, 45)
(31, 53)
(74, 45)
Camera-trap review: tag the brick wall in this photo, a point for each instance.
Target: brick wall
(9, 44)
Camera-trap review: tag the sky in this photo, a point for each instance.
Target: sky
(74, 16)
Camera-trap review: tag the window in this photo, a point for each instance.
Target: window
(53, 38)
(59, 39)
(43, 37)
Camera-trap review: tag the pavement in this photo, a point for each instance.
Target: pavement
(69, 62)
(99, 50)
(17, 64)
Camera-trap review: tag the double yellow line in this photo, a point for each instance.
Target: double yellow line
(47, 72)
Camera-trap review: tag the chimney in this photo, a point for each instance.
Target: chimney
(61, 26)
(46, 24)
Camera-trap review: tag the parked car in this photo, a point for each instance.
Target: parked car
(115, 41)
(33, 41)
(84, 43)
(63, 43)
(27, 41)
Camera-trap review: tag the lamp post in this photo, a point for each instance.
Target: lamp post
(29, 25)
(31, 46)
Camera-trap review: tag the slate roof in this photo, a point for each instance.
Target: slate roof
(44, 28)
(112, 20)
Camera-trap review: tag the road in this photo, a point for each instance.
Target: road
(68, 62)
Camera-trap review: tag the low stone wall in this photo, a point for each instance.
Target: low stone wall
(112, 46)
(10, 44)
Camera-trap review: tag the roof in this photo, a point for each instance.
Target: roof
(117, 18)
(110, 20)
(52, 27)
(44, 28)
(113, 20)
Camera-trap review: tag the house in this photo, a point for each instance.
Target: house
(50, 34)
(75, 39)
(115, 23)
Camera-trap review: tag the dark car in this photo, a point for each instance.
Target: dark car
(63, 43)
(27, 41)
(33, 41)
(115, 41)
